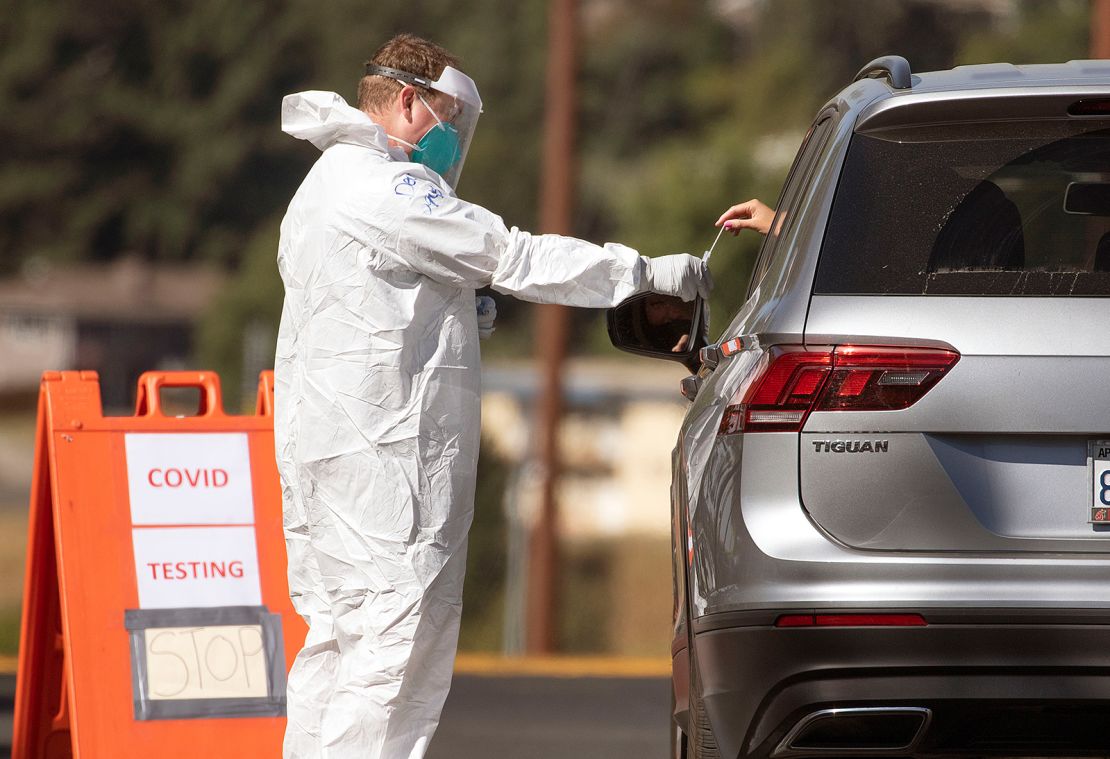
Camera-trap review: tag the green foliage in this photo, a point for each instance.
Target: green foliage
(671, 203)
(502, 46)
(1048, 31)
(483, 596)
(133, 126)
(585, 592)
(151, 128)
(9, 631)
(658, 183)
(254, 296)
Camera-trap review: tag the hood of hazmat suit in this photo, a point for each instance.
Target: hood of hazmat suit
(377, 419)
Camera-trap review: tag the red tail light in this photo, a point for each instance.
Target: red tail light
(851, 620)
(1090, 107)
(793, 382)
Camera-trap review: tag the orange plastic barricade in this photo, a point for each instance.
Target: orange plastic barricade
(156, 618)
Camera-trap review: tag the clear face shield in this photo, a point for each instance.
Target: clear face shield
(444, 147)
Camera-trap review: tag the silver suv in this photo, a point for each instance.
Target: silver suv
(891, 492)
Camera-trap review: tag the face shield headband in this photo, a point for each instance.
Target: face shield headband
(443, 149)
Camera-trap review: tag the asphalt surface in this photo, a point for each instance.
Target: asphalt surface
(554, 718)
(7, 704)
(525, 718)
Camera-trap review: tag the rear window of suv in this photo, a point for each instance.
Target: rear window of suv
(1001, 208)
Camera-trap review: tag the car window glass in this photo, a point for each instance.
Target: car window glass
(800, 174)
(1008, 208)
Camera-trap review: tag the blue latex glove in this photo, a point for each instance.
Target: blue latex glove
(487, 313)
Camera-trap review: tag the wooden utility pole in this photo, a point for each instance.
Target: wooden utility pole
(1100, 28)
(556, 204)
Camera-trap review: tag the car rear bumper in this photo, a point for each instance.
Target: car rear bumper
(1020, 682)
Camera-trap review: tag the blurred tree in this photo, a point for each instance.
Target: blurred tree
(503, 45)
(255, 296)
(134, 126)
(502, 166)
(1048, 31)
(151, 128)
(483, 597)
(656, 104)
(694, 106)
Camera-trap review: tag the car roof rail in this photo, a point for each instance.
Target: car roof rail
(893, 68)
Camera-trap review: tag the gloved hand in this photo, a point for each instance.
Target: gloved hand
(487, 312)
(680, 274)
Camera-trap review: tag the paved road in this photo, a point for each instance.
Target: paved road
(7, 703)
(526, 718)
(553, 718)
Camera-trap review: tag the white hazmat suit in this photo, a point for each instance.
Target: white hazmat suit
(377, 417)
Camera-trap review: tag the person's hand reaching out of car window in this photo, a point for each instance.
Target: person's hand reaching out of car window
(754, 214)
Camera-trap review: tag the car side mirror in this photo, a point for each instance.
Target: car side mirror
(661, 326)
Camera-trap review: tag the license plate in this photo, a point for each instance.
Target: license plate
(1098, 463)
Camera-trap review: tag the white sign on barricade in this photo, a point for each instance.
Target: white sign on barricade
(189, 479)
(196, 566)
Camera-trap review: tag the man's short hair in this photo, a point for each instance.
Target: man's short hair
(405, 52)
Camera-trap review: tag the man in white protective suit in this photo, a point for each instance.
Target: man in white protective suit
(377, 390)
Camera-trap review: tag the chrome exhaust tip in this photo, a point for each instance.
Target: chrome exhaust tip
(856, 731)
